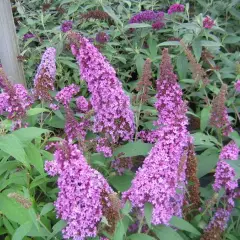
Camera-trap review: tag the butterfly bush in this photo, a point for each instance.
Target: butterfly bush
(102, 37)
(176, 8)
(66, 94)
(225, 176)
(82, 192)
(82, 104)
(45, 76)
(66, 26)
(147, 16)
(163, 171)
(113, 116)
(208, 22)
(17, 100)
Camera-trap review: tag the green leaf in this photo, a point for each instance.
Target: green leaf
(183, 225)
(47, 208)
(123, 182)
(182, 66)
(35, 111)
(73, 8)
(148, 209)
(56, 122)
(166, 233)
(22, 231)
(26, 135)
(207, 161)
(205, 115)
(197, 48)
(169, 43)
(38, 181)
(139, 64)
(112, 14)
(127, 207)
(57, 228)
(206, 43)
(12, 145)
(132, 149)
(34, 157)
(231, 40)
(140, 236)
(136, 25)
(235, 136)
(69, 64)
(235, 12)
(121, 229)
(13, 210)
(8, 166)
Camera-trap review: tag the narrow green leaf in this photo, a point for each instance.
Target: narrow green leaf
(57, 228)
(197, 48)
(148, 209)
(35, 111)
(12, 145)
(121, 183)
(182, 66)
(132, 149)
(205, 115)
(22, 231)
(207, 161)
(206, 43)
(136, 25)
(47, 208)
(183, 225)
(73, 8)
(166, 233)
(139, 64)
(140, 236)
(231, 40)
(169, 43)
(26, 135)
(13, 210)
(112, 14)
(235, 136)
(34, 157)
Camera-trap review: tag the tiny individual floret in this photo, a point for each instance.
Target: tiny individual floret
(208, 22)
(66, 26)
(176, 8)
(66, 94)
(237, 85)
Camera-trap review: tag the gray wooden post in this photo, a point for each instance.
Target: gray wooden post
(8, 44)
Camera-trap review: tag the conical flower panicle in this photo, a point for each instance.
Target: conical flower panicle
(84, 195)
(219, 117)
(113, 116)
(45, 76)
(161, 179)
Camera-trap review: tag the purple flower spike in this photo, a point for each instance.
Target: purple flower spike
(28, 36)
(102, 37)
(66, 26)
(176, 8)
(208, 22)
(237, 85)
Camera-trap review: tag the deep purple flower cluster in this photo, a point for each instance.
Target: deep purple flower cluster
(208, 22)
(66, 26)
(163, 171)
(28, 36)
(45, 76)
(102, 37)
(82, 104)
(154, 17)
(147, 16)
(66, 94)
(176, 8)
(113, 116)
(225, 176)
(79, 201)
(237, 85)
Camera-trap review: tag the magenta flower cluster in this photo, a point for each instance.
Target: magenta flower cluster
(225, 176)
(237, 85)
(163, 171)
(82, 104)
(66, 26)
(154, 17)
(176, 8)
(113, 116)
(46, 73)
(66, 94)
(79, 200)
(208, 22)
(28, 36)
